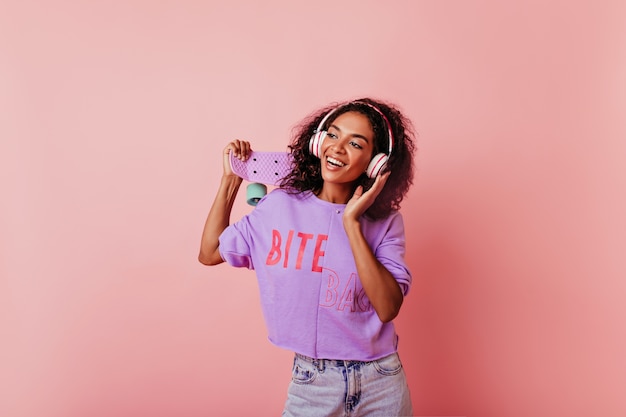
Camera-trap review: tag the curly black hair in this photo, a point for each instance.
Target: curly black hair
(306, 170)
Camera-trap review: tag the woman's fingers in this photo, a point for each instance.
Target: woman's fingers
(240, 149)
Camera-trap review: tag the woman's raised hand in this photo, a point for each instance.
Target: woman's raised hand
(361, 201)
(240, 148)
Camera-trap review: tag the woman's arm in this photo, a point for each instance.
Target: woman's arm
(381, 287)
(219, 215)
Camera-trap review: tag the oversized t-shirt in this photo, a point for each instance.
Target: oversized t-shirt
(312, 299)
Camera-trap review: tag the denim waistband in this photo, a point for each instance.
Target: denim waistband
(338, 363)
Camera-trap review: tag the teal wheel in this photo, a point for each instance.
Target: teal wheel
(254, 192)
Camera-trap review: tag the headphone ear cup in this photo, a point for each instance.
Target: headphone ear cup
(376, 165)
(315, 143)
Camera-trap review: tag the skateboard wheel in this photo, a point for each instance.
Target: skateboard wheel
(254, 192)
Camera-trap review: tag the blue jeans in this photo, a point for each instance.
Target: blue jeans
(337, 388)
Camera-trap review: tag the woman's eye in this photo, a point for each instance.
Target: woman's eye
(356, 145)
(332, 135)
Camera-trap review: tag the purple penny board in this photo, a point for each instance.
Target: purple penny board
(262, 167)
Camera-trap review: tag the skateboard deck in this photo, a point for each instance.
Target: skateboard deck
(262, 167)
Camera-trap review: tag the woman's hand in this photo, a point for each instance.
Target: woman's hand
(241, 149)
(361, 201)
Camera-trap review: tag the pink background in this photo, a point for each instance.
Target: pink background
(112, 117)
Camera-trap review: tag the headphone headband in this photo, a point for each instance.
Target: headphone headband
(376, 109)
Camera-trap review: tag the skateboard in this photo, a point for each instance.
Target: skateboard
(259, 169)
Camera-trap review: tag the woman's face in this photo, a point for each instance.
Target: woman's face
(347, 148)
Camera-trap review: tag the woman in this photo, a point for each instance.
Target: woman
(328, 250)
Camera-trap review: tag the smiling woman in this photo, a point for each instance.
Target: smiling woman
(333, 303)
(346, 154)
(392, 149)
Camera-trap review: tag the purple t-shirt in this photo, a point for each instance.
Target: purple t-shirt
(311, 295)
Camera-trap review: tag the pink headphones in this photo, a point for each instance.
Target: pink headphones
(378, 162)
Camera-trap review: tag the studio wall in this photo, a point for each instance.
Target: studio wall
(113, 116)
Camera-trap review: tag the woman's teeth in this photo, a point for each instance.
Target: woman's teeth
(335, 162)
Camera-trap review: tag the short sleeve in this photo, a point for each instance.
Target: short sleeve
(391, 252)
(234, 247)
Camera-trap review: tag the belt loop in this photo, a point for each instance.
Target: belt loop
(320, 364)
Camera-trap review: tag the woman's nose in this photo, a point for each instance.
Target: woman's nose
(338, 145)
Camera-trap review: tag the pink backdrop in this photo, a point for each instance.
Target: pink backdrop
(112, 115)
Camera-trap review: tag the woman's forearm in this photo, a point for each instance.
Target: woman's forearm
(380, 286)
(218, 219)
